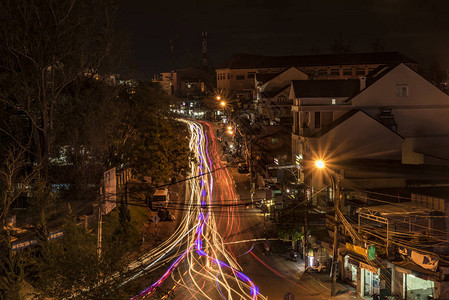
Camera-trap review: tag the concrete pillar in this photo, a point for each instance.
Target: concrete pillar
(359, 286)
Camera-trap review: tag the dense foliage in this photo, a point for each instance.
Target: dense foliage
(65, 119)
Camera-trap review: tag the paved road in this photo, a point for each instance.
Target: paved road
(217, 252)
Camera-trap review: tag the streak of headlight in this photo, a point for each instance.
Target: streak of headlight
(198, 143)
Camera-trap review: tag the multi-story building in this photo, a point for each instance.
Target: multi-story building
(395, 97)
(383, 139)
(185, 82)
(236, 76)
(271, 95)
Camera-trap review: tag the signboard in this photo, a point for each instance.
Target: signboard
(427, 261)
(25, 244)
(298, 160)
(110, 191)
(55, 235)
(372, 252)
(22, 245)
(368, 267)
(356, 249)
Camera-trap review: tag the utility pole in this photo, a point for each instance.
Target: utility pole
(251, 168)
(306, 240)
(100, 226)
(336, 196)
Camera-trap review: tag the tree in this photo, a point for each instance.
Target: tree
(45, 46)
(148, 139)
(11, 271)
(69, 265)
(15, 178)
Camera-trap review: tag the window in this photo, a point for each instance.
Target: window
(335, 72)
(360, 71)
(334, 101)
(347, 71)
(229, 76)
(306, 121)
(251, 74)
(401, 90)
(239, 77)
(317, 119)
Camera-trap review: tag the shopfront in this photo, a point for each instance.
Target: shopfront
(350, 271)
(417, 288)
(371, 281)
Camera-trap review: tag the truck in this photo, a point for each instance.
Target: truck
(160, 199)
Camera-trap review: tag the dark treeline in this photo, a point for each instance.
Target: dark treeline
(64, 120)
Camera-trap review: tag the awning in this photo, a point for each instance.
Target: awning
(411, 268)
(360, 261)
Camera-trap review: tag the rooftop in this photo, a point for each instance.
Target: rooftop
(246, 61)
(325, 88)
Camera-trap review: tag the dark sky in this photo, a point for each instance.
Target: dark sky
(417, 28)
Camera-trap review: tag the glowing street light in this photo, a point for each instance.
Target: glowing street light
(218, 98)
(229, 127)
(230, 132)
(320, 164)
(223, 103)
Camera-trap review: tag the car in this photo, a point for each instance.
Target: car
(243, 168)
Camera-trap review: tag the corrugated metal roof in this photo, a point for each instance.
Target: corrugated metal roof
(395, 209)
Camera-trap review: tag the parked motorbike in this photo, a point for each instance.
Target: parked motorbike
(294, 256)
(318, 268)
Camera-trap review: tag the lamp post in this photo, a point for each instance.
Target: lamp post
(320, 164)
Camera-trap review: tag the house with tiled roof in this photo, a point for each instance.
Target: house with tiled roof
(236, 76)
(396, 97)
(271, 95)
(380, 145)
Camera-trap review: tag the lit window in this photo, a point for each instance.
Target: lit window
(334, 101)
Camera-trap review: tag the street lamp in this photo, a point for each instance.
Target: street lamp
(218, 98)
(223, 103)
(321, 165)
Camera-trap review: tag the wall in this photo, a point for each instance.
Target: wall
(422, 112)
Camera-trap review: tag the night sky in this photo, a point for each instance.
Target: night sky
(416, 28)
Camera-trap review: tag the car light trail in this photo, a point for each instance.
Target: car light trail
(210, 264)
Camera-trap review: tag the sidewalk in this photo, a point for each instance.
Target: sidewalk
(323, 282)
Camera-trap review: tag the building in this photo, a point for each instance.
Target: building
(396, 97)
(271, 99)
(385, 142)
(236, 76)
